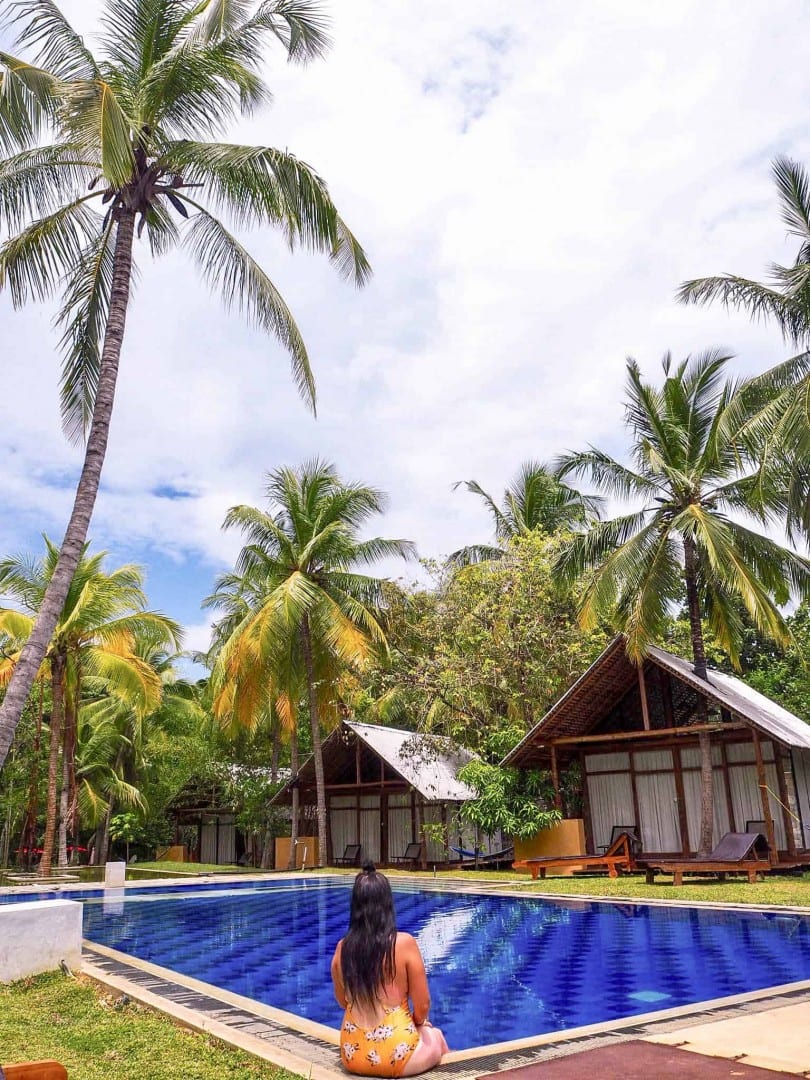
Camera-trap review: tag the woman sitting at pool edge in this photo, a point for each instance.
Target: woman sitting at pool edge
(375, 972)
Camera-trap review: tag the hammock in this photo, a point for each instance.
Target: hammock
(484, 856)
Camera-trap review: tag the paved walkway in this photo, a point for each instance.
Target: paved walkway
(771, 1039)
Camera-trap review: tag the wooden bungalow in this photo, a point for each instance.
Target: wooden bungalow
(634, 731)
(382, 786)
(204, 823)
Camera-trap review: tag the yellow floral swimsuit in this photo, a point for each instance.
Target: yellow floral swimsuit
(383, 1050)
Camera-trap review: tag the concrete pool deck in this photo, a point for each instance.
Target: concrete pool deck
(766, 1029)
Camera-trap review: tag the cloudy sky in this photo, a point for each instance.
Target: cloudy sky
(531, 182)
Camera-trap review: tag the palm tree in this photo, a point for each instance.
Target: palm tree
(692, 484)
(101, 784)
(102, 619)
(112, 768)
(128, 131)
(249, 690)
(311, 613)
(780, 428)
(535, 499)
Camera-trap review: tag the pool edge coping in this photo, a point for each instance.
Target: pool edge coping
(330, 1036)
(197, 1021)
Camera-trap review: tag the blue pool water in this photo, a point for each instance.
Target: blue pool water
(499, 967)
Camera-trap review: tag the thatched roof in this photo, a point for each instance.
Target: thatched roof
(612, 677)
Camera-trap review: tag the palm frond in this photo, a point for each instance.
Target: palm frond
(138, 33)
(197, 87)
(92, 117)
(617, 587)
(253, 184)
(127, 676)
(217, 18)
(28, 99)
(794, 194)
(759, 300)
(370, 551)
(474, 554)
(36, 182)
(33, 262)
(241, 283)
(607, 474)
(300, 26)
(648, 581)
(15, 625)
(499, 519)
(585, 551)
(83, 318)
(57, 47)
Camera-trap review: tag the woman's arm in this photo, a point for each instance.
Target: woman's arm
(337, 978)
(417, 981)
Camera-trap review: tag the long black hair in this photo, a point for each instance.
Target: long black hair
(367, 955)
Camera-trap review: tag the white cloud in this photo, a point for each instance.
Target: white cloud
(531, 184)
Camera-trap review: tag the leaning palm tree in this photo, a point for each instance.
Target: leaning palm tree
(780, 428)
(685, 537)
(535, 499)
(105, 147)
(311, 612)
(102, 620)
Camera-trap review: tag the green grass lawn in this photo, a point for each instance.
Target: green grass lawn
(97, 1038)
(773, 889)
(183, 868)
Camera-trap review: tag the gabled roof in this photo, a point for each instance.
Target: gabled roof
(741, 700)
(429, 763)
(612, 674)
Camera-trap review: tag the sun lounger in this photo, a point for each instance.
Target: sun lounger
(619, 856)
(350, 856)
(34, 1070)
(412, 854)
(736, 853)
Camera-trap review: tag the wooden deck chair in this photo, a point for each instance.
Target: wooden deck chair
(351, 855)
(736, 852)
(618, 857)
(34, 1070)
(616, 832)
(412, 854)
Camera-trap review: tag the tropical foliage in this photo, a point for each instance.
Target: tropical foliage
(778, 430)
(300, 613)
(535, 499)
(102, 149)
(96, 641)
(690, 533)
(509, 802)
(481, 654)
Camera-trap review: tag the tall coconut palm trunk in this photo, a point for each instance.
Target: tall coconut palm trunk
(64, 802)
(317, 753)
(699, 668)
(295, 807)
(268, 854)
(28, 837)
(57, 720)
(68, 806)
(33, 653)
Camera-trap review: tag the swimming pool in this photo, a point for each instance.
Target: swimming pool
(500, 967)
